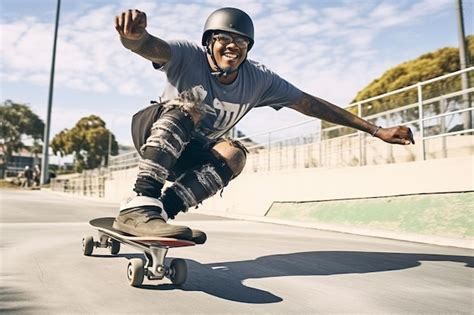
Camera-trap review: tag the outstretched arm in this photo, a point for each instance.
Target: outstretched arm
(131, 26)
(319, 108)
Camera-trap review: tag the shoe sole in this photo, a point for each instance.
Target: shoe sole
(186, 234)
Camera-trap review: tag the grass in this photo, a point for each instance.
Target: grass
(4, 184)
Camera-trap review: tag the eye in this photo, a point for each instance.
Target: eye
(223, 38)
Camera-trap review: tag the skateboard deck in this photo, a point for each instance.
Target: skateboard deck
(154, 249)
(105, 225)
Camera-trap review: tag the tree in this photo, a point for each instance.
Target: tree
(88, 141)
(425, 67)
(17, 121)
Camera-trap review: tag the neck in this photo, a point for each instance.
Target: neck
(224, 80)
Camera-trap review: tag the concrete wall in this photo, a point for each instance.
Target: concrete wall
(253, 193)
(120, 186)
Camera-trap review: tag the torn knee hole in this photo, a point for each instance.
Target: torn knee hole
(234, 158)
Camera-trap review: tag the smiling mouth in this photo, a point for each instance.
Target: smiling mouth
(231, 56)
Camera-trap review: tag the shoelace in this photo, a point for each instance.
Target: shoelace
(152, 213)
(149, 212)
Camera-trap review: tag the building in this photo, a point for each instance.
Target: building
(17, 163)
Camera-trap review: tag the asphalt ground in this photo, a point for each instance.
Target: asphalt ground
(244, 268)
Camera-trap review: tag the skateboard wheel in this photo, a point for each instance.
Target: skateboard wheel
(135, 272)
(178, 271)
(87, 245)
(114, 246)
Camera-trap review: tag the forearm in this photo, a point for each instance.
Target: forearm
(149, 47)
(319, 108)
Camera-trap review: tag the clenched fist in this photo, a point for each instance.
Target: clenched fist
(131, 24)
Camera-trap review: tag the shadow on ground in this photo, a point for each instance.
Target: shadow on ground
(15, 301)
(225, 280)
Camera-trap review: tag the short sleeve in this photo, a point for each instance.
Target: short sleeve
(179, 49)
(279, 92)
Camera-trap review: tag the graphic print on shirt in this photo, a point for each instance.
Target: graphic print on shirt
(218, 118)
(229, 113)
(221, 118)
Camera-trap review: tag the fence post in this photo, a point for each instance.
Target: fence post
(443, 109)
(361, 144)
(420, 119)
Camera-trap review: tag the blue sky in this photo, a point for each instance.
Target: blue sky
(331, 49)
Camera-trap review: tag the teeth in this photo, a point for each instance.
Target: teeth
(228, 55)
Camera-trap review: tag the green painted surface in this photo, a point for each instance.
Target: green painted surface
(448, 215)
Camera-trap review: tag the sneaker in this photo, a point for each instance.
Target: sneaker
(143, 216)
(198, 237)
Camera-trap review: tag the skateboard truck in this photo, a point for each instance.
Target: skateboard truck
(156, 269)
(106, 241)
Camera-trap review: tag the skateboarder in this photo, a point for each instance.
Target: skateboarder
(209, 89)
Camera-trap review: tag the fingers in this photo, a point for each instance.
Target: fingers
(410, 136)
(400, 141)
(127, 26)
(130, 22)
(118, 24)
(397, 135)
(139, 18)
(404, 136)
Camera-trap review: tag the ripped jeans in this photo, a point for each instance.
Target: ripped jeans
(168, 153)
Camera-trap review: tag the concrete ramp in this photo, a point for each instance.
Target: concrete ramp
(448, 216)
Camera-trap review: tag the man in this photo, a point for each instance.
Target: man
(209, 90)
(37, 175)
(28, 173)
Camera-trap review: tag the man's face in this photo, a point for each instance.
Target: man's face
(230, 49)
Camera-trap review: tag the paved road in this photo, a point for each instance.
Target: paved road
(245, 267)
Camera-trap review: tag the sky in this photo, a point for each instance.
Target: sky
(330, 49)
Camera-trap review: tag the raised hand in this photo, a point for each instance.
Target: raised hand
(131, 24)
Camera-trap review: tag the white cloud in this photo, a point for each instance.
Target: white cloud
(290, 37)
(26, 45)
(340, 15)
(130, 87)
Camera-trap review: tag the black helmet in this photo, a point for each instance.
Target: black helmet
(229, 20)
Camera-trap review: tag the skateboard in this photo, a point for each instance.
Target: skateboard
(154, 249)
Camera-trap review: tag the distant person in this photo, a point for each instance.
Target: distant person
(209, 89)
(37, 175)
(28, 175)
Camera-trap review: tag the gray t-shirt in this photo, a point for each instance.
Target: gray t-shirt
(255, 86)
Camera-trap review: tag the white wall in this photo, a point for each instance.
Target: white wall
(121, 185)
(253, 193)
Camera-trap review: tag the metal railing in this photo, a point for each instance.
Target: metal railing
(89, 183)
(431, 118)
(124, 161)
(436, 110)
